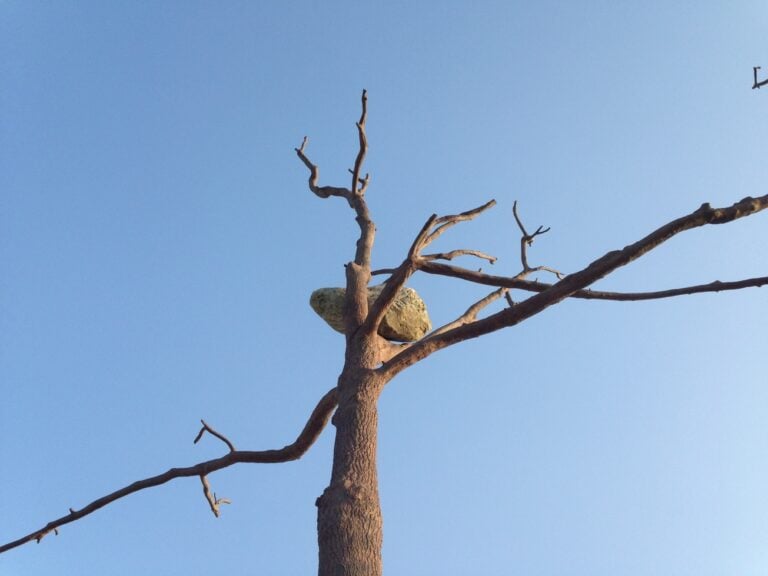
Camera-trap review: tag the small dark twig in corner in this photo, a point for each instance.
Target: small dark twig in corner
(756, 83)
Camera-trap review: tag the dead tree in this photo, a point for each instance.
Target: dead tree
(349, 521)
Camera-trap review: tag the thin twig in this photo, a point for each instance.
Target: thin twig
(207, 428)
(445, 222)
(363, 148)
(213, 501)
(526, 241)
(314, 175)
(456, 253)
(756, 83)
(471, 313)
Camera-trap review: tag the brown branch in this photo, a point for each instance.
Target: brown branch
(574, 282)
(363, 148)
(526, 240)
(357, 271)
(314, 175)
(756, 83)
(445, 222)
(456, 253)
(535, 286)
(471, 313)
(314, 426)
(218, 435)
(213, 501)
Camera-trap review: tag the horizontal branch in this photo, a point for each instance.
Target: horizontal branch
(573, 283)
(536, 286)
(314, 426)
(456, 253)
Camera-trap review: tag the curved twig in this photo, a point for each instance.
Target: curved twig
(573, 283)
(218, 435)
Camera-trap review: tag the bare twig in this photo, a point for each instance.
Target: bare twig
(213, 501)
(363, 148)
(314, 426)
(218, 435)
(445, 222)
(381, 271)
(314, 175)
(756, 83)
(357, 271)
(471, 313)
(573, 283)
(456, 253)
(526, 240)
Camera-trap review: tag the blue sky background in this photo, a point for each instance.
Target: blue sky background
(158, 246)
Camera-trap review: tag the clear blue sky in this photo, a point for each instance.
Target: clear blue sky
(158, 246)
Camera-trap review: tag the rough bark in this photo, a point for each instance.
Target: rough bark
(349, 521)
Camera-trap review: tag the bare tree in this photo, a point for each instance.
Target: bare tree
(349, 520)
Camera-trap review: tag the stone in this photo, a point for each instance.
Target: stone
(406, 320)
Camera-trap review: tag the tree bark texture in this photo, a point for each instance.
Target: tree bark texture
(349, 522)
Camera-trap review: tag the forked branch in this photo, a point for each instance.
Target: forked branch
(526, 241)
(312, 429)
(573, 283)
(357, 271)
(432, 229)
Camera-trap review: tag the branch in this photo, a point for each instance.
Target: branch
(470, 315)
(756, 83)
(431, 230)
(363, 148)
(314, 175)
(456, 253)
(314, 426)
(445, 222)
(535, 286)
(213, 432)
(358, 271)
(526, 241)
(574, 282)
(213, 501)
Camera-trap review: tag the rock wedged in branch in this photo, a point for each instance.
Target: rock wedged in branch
(406, 320)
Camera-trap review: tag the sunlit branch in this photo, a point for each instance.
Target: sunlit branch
(573, 283)
(312, 429)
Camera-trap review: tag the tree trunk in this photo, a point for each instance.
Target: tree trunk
(349, 523)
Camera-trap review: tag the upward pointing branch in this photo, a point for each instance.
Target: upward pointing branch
(756, 83)
(575, 282)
